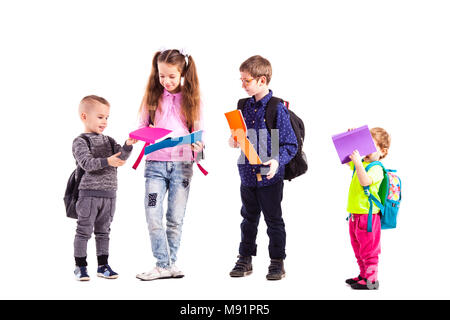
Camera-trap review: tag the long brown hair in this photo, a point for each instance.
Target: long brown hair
(190, 91)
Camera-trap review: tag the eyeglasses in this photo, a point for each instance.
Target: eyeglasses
(246, 82)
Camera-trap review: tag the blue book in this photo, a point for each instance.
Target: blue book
(174, 141)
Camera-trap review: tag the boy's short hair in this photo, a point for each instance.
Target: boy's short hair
(257, 66)
(88, 101)
(382, 138)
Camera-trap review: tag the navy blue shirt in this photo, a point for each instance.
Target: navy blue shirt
(254, 114)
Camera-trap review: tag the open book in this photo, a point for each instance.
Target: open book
(160, 138)
(170, 141)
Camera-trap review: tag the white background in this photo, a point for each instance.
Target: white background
(340, 64)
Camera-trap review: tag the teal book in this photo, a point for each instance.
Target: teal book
(174, 141)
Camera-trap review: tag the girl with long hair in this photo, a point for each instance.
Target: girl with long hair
(171, 101)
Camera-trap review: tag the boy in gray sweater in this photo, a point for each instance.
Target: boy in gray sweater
(99, 156)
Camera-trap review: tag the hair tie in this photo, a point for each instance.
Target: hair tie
(184, 52)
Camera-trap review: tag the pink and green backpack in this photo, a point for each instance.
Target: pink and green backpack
(390, 194)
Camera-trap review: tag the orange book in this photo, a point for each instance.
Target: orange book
(239, 133)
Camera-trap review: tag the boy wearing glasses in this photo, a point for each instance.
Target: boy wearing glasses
(262, 185)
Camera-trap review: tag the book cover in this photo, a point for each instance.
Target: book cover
(359, 139)
(150, 135)
(170, 142)
(239, 132)
(237, 124)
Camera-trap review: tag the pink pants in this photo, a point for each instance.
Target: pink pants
(366, 245)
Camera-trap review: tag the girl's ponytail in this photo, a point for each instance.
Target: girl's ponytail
(191, 94)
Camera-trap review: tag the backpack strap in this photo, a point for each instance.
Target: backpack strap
(82, 136)
(374, 163)
(371, 197)
(241, 103)
(372, 200)
(370, 165)
(79, 170)
(111, 142)
(85, 138)
(271, 112)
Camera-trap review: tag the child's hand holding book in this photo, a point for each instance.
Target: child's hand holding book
(233, 143)
(273, 167)
(115, 161)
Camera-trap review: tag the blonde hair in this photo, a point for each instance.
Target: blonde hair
(257, 66)
(382, 138)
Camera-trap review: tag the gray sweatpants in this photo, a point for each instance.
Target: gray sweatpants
(94, 214)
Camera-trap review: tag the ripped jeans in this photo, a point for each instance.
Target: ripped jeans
(174, 178)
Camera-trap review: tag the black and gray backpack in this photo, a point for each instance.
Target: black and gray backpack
(298, 164)
(71, 194)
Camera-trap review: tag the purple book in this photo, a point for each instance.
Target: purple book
(359, 139)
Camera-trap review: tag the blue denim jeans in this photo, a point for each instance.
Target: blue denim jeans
(173, 178)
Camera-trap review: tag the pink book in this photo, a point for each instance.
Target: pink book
(149, 135)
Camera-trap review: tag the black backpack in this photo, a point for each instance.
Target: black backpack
(71, 194)
(298, 164)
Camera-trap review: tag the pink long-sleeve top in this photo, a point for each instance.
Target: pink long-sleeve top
(169, 116)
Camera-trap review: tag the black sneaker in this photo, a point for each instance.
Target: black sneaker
(366, 285)
(276, 270)
(354, 280)
(242, 268)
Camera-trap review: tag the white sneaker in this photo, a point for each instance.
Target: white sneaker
(156, 273)
(176, 273)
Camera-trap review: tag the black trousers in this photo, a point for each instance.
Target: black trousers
(268, 200)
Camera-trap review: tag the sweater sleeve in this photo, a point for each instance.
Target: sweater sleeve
(125, 149)
(83, 156)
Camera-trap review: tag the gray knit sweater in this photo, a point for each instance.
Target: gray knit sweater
(99, 179)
